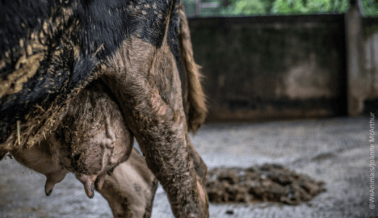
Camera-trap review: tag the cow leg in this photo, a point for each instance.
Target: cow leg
(130, 188)
(146, 83)
(199, 164)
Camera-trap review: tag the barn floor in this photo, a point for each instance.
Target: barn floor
(333, 150)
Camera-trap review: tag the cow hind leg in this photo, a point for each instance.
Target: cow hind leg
(147, 86)
(199, 164)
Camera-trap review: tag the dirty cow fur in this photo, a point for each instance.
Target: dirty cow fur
(50, 50)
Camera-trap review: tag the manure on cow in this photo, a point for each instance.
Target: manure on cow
(269, 182)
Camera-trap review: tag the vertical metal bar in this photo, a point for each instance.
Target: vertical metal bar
(359, 4)
(353, 35)
(198, 8)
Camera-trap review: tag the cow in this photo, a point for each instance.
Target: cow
(51, 50)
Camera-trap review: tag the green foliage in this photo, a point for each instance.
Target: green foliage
(280, 7)
(309, 6)
(370, 7)
(244, 8)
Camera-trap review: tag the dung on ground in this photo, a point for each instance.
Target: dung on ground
(269, 182)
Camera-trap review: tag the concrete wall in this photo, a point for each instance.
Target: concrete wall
(277, 67)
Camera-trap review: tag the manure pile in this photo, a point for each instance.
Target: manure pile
(269, 182)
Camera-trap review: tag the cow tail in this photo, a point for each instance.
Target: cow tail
(194, 97)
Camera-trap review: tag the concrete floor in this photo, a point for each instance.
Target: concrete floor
(333, 150)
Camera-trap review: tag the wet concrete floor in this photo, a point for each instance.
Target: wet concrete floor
(335, 151)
